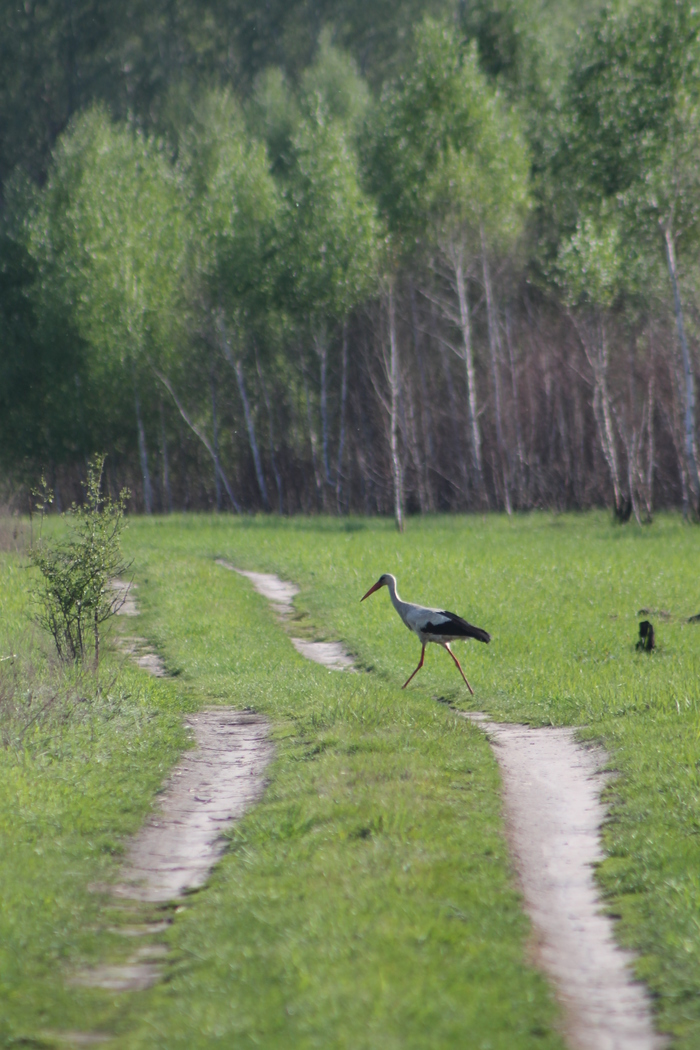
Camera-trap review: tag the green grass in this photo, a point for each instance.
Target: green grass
(368, 900)
(72, 786)
(560, 596)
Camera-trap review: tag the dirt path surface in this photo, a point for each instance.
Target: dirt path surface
(551, 789)
(211, 786)
(132, 645)
(281, 595)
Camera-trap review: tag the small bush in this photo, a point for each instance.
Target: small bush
(75, 595)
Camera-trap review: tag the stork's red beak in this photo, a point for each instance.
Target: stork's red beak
(376, 587)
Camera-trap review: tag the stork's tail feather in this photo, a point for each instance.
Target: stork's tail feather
(479, 634)
(457, 627)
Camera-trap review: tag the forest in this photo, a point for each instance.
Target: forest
(388, 259)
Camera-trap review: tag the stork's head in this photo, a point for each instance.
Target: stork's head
(383, 581)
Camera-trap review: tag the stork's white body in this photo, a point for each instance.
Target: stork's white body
(430, 625)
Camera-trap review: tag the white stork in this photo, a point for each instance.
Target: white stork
(431, 625)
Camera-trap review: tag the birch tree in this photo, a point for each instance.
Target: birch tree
(331, 248)
(233, 209)
(108, 236)
(590, 265)
(451, 170)
(632, 140)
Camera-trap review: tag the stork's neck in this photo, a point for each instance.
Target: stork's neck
(398, 604)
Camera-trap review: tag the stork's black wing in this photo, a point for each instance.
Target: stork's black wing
(455, 627)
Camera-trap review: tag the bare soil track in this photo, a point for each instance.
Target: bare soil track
(551, 794)
(281, 595)
(211, 786)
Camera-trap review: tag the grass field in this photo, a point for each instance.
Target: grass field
(368, 901)
(73, 783)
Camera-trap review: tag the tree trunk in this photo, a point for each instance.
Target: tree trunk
(596, 350)
(520, 450)
(321, 347)
(273, 459)
(215, 436)
(601, 399)
(202, 437)
(237, 367)
(313, 440)
(394, 412)
(428, 458)
(240, 379)
(343, 410)
(166, 471)
(689, 420)
(649, 476)
(143, 454)
(465, 324)
(494, 346)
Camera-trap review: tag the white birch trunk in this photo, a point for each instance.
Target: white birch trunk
(465, 324)
(321, 347)
(520, 451)
(428, 458)
(202, 437)
(143, 455)
(606, 434)
(689, 380)
(313, 440)
(166, 470)
(343, 409)
(215, 436)
(394, 413)
(240, 379)
(649, 476)
(250, 423)
(494, 341)
(273, 459)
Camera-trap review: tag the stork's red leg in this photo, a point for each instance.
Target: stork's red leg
(422, 654)
(447, 646)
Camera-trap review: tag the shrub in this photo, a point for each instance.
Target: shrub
(75, 596)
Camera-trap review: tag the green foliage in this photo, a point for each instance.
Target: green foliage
(334, 82)
(623, 91)
(590, 263)
(75, 596)
(332, 232)
(110, 186)
(273, 115)
(630, 140)
(233, 213)
(443, 144)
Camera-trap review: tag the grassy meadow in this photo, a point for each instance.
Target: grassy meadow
(368, 901)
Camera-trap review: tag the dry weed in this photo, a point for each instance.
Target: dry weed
(39, 694)
(14, 533)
